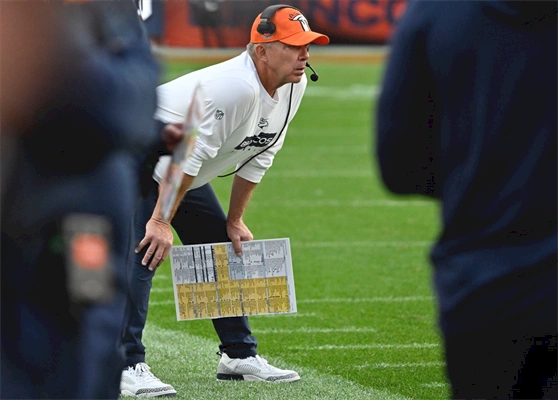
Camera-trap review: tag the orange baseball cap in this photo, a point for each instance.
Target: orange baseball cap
(291, 27)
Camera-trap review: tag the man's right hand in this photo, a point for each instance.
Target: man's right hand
(171, 135)
(158, 235)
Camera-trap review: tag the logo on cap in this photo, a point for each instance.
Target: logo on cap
(303, 21)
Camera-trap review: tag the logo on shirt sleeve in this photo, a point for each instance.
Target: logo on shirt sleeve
(219, 115)
(264, 123)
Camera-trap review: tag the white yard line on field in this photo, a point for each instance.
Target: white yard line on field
(290, 315)
(382, 346)
(338, 149)
(348, 245)
(189, 363)
(401, 365)
(353, 92)
(315, 330)
(388, 299)
(299, 173)
(344, 203)
(161, 303)
(435, 384)
(160, 290)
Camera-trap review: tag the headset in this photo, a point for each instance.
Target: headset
(266, 27)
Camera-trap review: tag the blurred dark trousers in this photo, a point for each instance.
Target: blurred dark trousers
(199, 219)
(50, 349)
(500, 365)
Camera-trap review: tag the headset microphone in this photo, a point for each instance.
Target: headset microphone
(314, 77)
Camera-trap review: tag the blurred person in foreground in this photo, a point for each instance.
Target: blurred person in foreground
(249, 102)
(78, 85)
(467, 114)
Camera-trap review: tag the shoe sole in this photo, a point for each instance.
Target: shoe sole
(253, 378)
(126, 393)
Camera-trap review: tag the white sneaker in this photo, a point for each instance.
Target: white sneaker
(140, 382)
(252, 369)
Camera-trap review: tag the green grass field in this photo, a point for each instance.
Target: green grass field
(366, 321)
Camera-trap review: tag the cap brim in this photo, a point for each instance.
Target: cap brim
(304, 38)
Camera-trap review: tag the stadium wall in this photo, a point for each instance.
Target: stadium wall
(227, 23)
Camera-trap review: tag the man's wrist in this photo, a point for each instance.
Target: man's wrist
(160, 220)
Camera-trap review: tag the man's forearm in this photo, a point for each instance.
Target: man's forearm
(240, 197)
(187, 181)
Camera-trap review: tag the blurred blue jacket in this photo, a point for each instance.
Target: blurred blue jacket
(467, 114)
(78, 152)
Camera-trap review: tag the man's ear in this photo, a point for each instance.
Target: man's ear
(261, 51)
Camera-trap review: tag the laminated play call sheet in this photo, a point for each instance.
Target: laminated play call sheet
(211, 281)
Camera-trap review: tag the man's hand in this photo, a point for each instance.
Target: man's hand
(171, 135)
(238, 232)
(158, 235)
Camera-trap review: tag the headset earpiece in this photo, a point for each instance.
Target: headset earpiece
(266, 27)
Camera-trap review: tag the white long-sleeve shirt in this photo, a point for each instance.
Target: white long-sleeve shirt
(240, 119)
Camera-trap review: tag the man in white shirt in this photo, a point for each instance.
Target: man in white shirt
(249, 103)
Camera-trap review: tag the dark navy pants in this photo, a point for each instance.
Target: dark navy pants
(199, 219)
(502, 363)
(513, 354)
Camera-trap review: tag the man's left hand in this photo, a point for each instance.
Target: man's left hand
(238, 232)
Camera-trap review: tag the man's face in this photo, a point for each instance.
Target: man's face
(287, 62)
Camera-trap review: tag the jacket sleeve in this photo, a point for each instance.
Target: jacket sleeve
(406, 138)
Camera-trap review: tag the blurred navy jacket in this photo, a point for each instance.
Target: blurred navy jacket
(81, 149)
(78, 153)
(468, 114)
